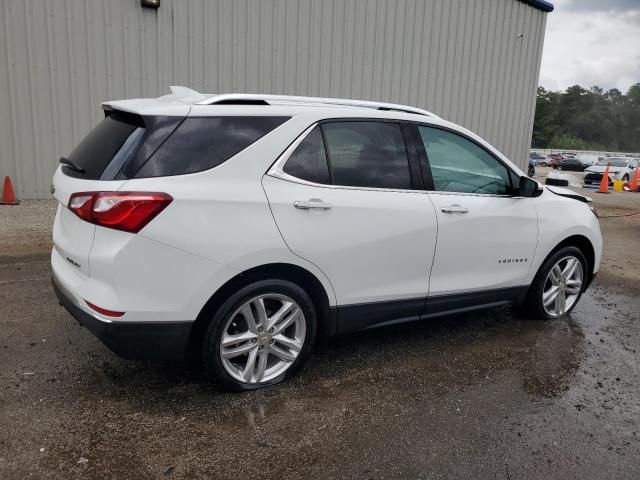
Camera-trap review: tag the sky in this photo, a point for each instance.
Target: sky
(592, 42)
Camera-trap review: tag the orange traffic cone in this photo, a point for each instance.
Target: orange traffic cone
(604, 184)
(8, 197)
(633, 186)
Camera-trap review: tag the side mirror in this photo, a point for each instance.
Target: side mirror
(529, 187)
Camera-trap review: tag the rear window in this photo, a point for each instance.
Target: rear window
(201, 143)
(116, 138)
(125, 146)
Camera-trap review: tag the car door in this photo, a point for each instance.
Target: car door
(486, 235)
(348, 197)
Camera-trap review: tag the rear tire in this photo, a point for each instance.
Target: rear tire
(272, 322)
(569, 286)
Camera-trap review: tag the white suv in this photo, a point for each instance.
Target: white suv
(241, 227)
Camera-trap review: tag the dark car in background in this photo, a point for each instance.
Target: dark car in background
(572, 164)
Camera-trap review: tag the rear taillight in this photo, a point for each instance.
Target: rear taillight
(127, 211)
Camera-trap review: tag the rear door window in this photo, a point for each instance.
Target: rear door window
(367, 154)
(309, 160)
(201, 143)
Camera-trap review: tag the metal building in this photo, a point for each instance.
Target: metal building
(475, 62)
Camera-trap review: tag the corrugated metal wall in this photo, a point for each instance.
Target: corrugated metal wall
(475, 62)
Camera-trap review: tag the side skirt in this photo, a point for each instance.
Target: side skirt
(351, 318)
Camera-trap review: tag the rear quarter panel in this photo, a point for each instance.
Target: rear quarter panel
(223, 214)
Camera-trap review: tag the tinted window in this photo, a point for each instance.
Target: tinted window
(201, 143)
(115, 139)
(367, 154)
(614, 162)
(309, 160)
(459, 165)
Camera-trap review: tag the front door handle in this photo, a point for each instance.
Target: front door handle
(312, 204)
(455, 208)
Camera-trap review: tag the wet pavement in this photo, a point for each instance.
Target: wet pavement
(483, 395)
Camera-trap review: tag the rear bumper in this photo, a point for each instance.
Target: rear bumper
(133, 340)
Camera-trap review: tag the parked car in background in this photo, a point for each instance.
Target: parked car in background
(240, 227)
(620, 168)
(551, 160)
(536, 156)
(588, 158)
(572, 164)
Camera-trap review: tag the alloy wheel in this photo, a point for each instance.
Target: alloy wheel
(262, 338)
(562, 286)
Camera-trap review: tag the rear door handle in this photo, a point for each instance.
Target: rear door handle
(455, 208)
(312, 204)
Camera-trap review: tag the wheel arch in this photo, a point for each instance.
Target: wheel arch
(283, 271)
(585, 246)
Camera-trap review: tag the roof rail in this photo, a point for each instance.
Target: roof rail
(250, 98)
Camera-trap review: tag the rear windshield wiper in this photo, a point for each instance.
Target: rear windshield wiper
(73, 166)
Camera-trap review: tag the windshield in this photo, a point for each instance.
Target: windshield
(614, 162)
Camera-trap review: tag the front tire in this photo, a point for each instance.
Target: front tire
(260, 336)
(558, 285)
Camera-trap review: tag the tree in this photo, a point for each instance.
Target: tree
(584, 119)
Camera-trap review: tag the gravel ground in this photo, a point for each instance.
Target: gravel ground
(26, 229)
(484, 395)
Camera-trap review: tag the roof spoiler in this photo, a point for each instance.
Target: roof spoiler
(184, 94)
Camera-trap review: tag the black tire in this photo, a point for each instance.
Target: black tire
(558, 182)
(625, 178)
(533, 305)
(211, 342)
(531, 172)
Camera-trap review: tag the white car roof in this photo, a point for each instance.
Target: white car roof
(181, 97)
(183, 101)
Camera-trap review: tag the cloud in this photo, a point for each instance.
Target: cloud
(602, 5)
(597, 46)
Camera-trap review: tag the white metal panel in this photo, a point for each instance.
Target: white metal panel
(474, 63)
